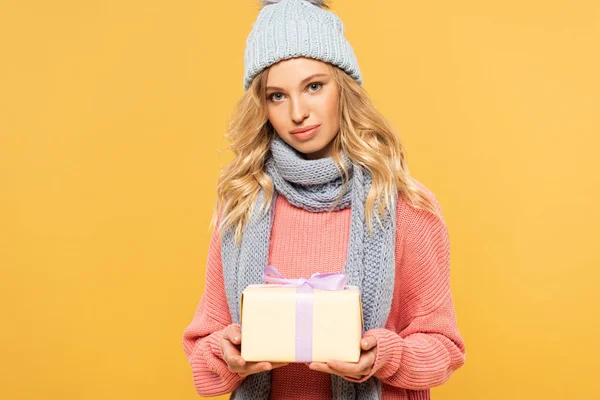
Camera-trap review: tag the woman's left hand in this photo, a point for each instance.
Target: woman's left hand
(357, 370)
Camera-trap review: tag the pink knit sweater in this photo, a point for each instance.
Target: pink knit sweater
(420, 346)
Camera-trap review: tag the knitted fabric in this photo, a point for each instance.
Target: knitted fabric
(314, 185)
(294, 28)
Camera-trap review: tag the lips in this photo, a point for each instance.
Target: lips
(301, 130)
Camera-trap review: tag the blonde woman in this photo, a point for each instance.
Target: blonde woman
(319, 183)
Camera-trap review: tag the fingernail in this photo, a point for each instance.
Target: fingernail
(364, 342)
(235, 338)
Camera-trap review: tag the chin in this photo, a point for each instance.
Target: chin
(309, 148)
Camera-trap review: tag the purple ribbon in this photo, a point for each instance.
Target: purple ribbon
(304, 303)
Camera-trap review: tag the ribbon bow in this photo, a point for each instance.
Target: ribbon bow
(331, 281)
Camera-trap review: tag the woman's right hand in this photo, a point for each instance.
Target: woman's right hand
(232, 338)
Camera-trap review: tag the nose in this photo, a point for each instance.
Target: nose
(299, 111)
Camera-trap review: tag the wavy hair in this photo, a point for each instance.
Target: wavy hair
(365, 136)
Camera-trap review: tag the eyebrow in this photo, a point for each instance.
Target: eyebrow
(308, 78)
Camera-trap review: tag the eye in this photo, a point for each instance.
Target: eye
(273, 94)
(319, 84)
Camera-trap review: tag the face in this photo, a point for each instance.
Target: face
(302, 93)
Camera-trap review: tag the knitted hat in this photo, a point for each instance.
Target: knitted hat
(293, 28)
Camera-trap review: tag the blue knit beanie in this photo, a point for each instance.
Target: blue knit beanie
(293, 28)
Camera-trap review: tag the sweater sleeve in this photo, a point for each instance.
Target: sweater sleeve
(426, 348)
(201, 338)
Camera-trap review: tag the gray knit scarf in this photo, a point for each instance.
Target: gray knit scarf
(314, 185)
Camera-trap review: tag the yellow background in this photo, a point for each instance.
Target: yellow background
(111, 117)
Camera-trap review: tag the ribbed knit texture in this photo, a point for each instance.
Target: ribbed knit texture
(420, 346)
(293, 28)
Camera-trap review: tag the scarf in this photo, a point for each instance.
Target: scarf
(314, 185)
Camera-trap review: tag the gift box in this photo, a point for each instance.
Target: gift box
(301, 320)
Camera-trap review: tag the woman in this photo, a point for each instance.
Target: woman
(319, 183)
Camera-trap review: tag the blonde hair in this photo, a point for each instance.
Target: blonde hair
(364, 135)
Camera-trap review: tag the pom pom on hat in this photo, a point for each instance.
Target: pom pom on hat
(318, 3)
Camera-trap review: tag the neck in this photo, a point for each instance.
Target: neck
(326, 151)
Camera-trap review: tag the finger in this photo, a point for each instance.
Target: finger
(345, 368)
(231, 354)
(368, 342)
(233, 334)
(324, 367)
(236, 364)
(270, 365)
(366, 362)
(255, 367)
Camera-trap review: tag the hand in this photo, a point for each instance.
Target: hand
(232, 338)
(357, 370)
